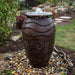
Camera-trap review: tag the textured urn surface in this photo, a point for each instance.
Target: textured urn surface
(39, 36)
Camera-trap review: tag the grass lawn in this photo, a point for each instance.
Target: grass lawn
(65, 36)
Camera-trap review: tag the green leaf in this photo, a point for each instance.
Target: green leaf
(9, 71)
(7, 53)
(63, 74)
(0, 73)
(1, 14)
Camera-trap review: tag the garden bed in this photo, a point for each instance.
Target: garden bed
(71, 14)
(19, 64)
(18, 45)
(12, 46)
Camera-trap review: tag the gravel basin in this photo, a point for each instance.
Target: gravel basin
(19, 64)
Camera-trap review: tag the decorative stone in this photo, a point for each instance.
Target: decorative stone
(55, 23)
(7, 58)
(13, 72)
(59, 63)
(10, 64)
(53, 60)
(16, 60)
(21, 64)
(22, 12)
(16, 64)
(15, 38)
(41, 6)
(58, 19)
(4, 66)
(19, 54)
(71, 7)
(34, 8)
(22, 67)
(47, 8)
(65, 17)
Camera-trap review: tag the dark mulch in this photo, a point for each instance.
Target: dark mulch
(12, 46)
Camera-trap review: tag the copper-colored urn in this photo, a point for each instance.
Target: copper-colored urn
(39, 36)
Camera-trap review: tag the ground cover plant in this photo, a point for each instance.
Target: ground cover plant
(65, 36)
(8, 72)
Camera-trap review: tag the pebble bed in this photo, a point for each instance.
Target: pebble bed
(19, 64)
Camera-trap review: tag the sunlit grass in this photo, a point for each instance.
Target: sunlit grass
(65, 36)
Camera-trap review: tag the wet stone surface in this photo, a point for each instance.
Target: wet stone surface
(19, 64)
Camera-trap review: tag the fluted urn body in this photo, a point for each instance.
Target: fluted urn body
(39, 36)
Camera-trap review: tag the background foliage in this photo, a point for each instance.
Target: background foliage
(42, 1)
(8, 10)
(55, 2)
(29, 3)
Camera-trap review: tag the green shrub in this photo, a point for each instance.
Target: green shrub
(4, 33)
(55, 2)
(42, 1)
(8, 10)
(70, 3)
(22, 4)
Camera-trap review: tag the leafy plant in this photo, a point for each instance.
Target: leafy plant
(7, 53)
(42, 1)
(9, 71)
(20, 20)
(70, 3)
(8, 10)
(63, 74)
(49, 3)
(22, 4)
(31, 3)
(55, 2)
(54, 14)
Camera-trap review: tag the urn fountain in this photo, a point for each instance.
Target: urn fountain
(38, 36)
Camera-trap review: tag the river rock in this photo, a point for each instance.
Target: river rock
(41, 6)
(20, 65)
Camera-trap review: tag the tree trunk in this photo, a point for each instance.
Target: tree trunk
(31, 3)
